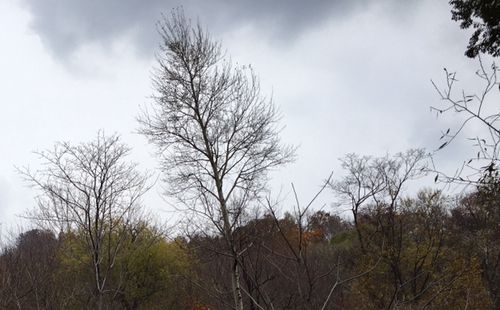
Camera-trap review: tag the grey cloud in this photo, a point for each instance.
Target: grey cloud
(64, 26)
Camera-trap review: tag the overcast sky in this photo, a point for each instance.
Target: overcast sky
(348, 76)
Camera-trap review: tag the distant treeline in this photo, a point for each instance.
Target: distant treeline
(427, 251)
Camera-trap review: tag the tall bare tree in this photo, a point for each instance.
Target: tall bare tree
(216, 134)
(90, 188)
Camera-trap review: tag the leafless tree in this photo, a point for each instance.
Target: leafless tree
(90, 189)
(216, 134)
(314, 276)
(479, 109)
(378, 181)
(397, 230)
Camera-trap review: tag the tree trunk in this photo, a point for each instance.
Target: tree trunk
(238, 297)
(99, 301)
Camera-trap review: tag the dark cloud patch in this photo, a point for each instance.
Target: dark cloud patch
(64, 26)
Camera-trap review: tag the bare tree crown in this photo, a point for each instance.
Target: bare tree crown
(80, 184)
(217, 134)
